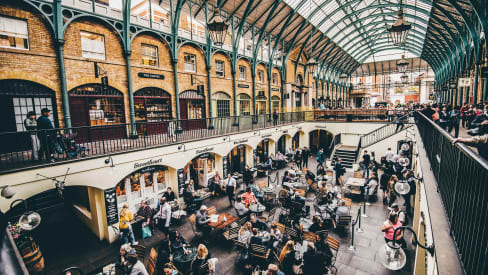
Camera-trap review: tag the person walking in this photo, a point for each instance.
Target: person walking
(275, 117)
(305, 155)
(365, 164)
(46, 135)
(298, 159)
(340, 170)
(30, 125)
(320, 156)
(230, 186)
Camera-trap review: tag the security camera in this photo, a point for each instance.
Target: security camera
(7, 192)
(107, 161)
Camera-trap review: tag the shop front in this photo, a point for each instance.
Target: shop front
(237, 159)
(221, 104)
(281, 144)
(295, 143)
(17, 98)
(201, 169)
(147, 183)
(262, 151)
(192, 110)
(153, 110)
(95, 105)
(320, 139)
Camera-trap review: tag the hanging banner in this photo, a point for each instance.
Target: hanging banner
(465, 82)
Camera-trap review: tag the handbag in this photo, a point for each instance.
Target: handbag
(146, 232)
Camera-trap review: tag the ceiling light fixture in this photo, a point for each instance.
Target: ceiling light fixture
(400, 29)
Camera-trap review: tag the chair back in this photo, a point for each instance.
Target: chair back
(344, 220)
(292, 233)
(262, 184)
(310, 237)
(150, 266)
(153, 254)
(329, 173)
(232, 233)
(280, 227)
(358, 175)
(212, 210)
(241, 246)
(242, 221)
(260, 251)
(333, 243)
(347, 201)
(141, 251)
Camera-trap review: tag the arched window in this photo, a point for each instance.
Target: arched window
(244, 102)
(275, 103)
(221, 104)
(152, 104)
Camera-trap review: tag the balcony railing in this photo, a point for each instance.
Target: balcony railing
(341, 115)
(462, 177)
(62, 145)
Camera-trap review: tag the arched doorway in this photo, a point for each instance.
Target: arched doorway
(200, 169)
(236, 160)
(17, 98)
(262, 151)
(221, 104)
(192, 110)
(261, 100)
(95, 105)
(281, 144)
(152, 108)
(320, 139)
(244, 104)
(295, 142)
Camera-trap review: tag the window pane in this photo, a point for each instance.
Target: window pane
(149, 55)
(92, 45)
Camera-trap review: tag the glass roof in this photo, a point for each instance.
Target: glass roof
(359, 26)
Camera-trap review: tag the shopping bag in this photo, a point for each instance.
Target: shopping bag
(146, 232)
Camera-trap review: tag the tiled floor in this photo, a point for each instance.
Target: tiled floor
(362, 260)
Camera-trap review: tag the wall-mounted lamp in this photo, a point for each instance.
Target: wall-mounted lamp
(110, 160)
(7, 192)
(182, 146)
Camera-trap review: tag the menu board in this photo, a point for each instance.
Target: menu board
(181, 180)
(225, 164)
(111, 206)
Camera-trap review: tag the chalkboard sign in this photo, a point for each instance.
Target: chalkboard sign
(181, 180)
(111, 206)
(225, 164)
(255, 157)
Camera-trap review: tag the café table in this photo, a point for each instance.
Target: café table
(220, 223)
(306, 223)
(183, 260)
(355, 184)
(267, 191)
(257, 208)
(265, 235)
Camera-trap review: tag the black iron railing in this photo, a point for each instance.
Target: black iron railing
(384, 132)
(335, 141)
(17, 149)
(349, 115)
(462, 180)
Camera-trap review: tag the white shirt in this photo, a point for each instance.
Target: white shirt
(165, 213)
(230, 182)
(389, 155)
(371, 186)
(240, 208)
(245, 237)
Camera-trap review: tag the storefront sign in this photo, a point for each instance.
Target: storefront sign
(320, 127)
(266, 136)
(285, 131)
(240, 141)
(147, 163)
(111, 206)
(204, 156)
(242, 86)
(275, 89)
(208, 149)
(152, 76)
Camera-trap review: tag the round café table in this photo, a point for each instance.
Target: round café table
(257, 208)
(183, 261)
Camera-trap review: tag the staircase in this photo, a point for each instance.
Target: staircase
(381, 133)
(347, 154)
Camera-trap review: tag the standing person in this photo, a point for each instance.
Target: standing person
(298, 159)
(125, 217)
(443, 118)
(230, 186)
(399, 122)
(340, 170)
(145, 212)
(247, 177)
(389, 156)
(365, 164)
(30, 125)
(305, 155)
(171, 130)
(45, 134)
(454, 116)
(389, 229)
(164, 216)
(464, 111)
(320, 156)
(275, 117)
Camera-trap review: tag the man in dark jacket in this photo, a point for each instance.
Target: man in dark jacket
(46, 134)
(305, 155)
(365, 164)
(340, 170)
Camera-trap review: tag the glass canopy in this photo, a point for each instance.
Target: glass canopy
(359, 26)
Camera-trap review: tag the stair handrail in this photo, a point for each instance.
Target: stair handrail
(335, 141)
(406, 116)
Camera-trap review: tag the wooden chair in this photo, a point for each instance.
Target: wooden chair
(153, 254)
(271, 215)
(280, 227)
(347, 201)
(344, 221)
(310, 237)
(212, 210)
(141, 251)
(358, 175)
(262, 184)
(322, 233)
(329, 173)
(193, 222)
(242, 221)
(260, 251)
(150, 266)
(300, 192)
(240, 246)
(334, 246)
(232, 233)
(292, 233)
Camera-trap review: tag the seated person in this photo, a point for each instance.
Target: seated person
(245, 233)
(189, 198)
(168, 269)
(292, 170)
(257, 223)
(273, 270)
(371, 185)
(342, 210)
(313, 263)
(287, 177)
(256, 191)
(316, 225)
(203, 255)
(280, 156)
(276, 236)
(169, 195)
(214, 184)
(164, 253)
(177, 241)
(146, 213)
(323, 250)
(135, 266)
(269, 164)
(310, 175)
(121, 262)
(240, 208)
(255, 239)
(248, 197)
(202, 220)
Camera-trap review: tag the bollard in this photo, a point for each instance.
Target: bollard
(364, 210)
(360, 230)
(353, 224)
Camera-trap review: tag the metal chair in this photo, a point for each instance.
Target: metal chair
(231, 234)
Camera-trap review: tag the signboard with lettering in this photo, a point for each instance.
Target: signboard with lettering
(181, 180)
(225, 166)
(240, 141)
(242, 86)
(111, 210)
(205, 150)
(275, 89)
(152, 76)
(147, 163)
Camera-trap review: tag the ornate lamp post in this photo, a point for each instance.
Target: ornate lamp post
(400, 29)
(402, 65)
(217, 29)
